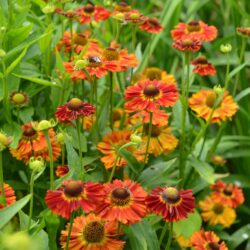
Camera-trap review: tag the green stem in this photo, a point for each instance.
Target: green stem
(18, 115)
(227, 71)
(169, 236)
(114, 167)
(32, 178)
(63, 155)
(71, 39)
(51, 164)
(70, 229)
(149, 136)
(163, 232)
(78, 127)
(2, 179)
(241, 59)
(111, 101)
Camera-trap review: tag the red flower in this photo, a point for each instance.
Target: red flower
(73, 109)
(150, 95)
(195, 30)
(187, 45)
(229, 195)
(151, 25)
(171, 204)
(73, 195)
(9, 194)
(203, 67)
(124, 202)
(62, 170)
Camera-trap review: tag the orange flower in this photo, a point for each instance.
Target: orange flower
(33, 143)
(110, 145)
(203, 67)
(62, 170)
(134, 17)
(207, 240)
(73, 195)
(122, 7)
(71, 14)
(203, 101)
(73, 109)
(227, 194)
(187, 45)
(171, 204)
(10, 197)
(91, 12)
(91, 233)
(150, 95)
(195, 30)
(151, 25)
(216, 213)
(124, 202)
(243, 31)
(161, 141)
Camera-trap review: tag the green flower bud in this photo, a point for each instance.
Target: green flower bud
(226, 48)
(218, 89)
(81, 64)
(48, 9)
(119, 17)
(60, 138)
(2, 53)
(4, 141)
(136, 138)
(36, 164)
(45, 124)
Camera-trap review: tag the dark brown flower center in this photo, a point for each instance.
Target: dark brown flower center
(89, 8)
(123, 7)
(156, 131)
(228, 191)
(29, 132)
(70, 13)
(211, 98)
(94, 232)
(153, 74)
(218, 208)
(80, 39)
(73, 189)
(154, 22)
(94, 61)
(193, 26)
(213, 246)
(151, 91)
(201, 60)
(171, 195)
(75, 104)
(120, 196)
(111, 54)
(116, 115)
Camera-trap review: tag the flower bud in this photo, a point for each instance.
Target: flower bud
(119, 17)
(45, 124)
(136, 138)
(80, 64)
(60, 138)
(48, 9)
(226, 48)
(2, 53)
(4, 141)
(19, 99)
(36, 164)
(218, 89)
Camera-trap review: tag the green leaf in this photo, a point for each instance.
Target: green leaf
(26, 114)
(204, 170)
(242, 94)
(188, 226)
(239, 236)
(39, 81)
(7, 213)
(133, 164)
(236, 70)
(44, 43)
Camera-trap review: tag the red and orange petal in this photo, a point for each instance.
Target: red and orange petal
(162, 141)
(216, 213)
(203, 240)
(62, 170)
(73, 109)
(109, 145)
(124, 202)
(150, 95)
(33, 143)
(218, 160)
(69, 13)
(243, 31)
(91, 12)
(73, 195)
(91, 233)
(195, 30)
(134, 17)
(151, 25)
(171, 204)
(229, 195)
(187, 45)
(9, 194)
(203, 67)
(203, 102)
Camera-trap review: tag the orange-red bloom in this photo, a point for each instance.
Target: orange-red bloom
(91, 12)
(62, 170)
(195, 30)
(229, 194)
(33, 143)
(203, 102)
(187, 45)
(151, 25)
(150, 95)
(122, 7)
(207, 240)
(92, 233)
(124, 202)
(134, 17)
(69, 13)
(9, 194)
(203, 67)
(73, 109)
(171, 204)
(73, 195)
(110, 145)
(244, 31)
